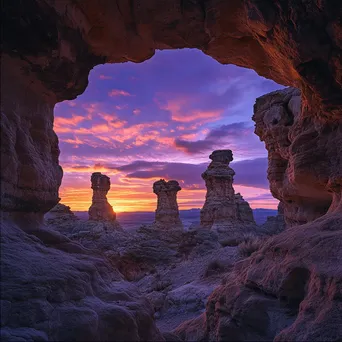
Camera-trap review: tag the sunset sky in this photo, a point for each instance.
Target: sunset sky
(162, 118)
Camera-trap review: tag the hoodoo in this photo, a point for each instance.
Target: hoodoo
(220, 199)
(167, 214)
(100, 209)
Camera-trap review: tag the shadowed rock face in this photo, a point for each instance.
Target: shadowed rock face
(100, 209)
(167, 214)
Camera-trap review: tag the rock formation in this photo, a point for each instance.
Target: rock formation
(61, 218)
(57, 63)
(167, 214)
(48, 49)
(220, 199)
(61, 212)
(299, 159)
(244, 213)
(222, 205)
(274, 224)
(100, 209)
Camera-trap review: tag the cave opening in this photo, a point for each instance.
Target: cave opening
(162, 118)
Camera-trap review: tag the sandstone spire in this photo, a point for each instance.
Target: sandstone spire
(167, 214)
(100, 209)
(220, 199)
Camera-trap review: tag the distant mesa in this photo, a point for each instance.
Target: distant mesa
(100, 209)
(167, 213)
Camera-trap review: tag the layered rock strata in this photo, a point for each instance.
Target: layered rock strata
(219, 203)
(167, 214)
(100, 209)
(302, 172)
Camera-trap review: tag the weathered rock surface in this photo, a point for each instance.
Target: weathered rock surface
(48, 49)
(244, 212)
(289, 290)
(100, 209)
(167, 214)
(224, 212)
(219, 205)
(60, 218)
(61, 212)
(304, 170)
(54, 289)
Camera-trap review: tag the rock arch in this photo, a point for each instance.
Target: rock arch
(48, 49)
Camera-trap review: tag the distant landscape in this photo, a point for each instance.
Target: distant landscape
(133, 220)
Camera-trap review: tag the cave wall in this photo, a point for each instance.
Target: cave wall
(304, 158)
(49, 47)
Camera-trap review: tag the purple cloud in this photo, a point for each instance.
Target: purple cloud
(248, 172)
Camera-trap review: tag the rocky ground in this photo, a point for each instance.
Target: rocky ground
(175, 270)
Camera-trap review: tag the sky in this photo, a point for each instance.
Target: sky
(138, 123)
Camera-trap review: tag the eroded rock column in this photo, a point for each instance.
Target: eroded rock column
(220, 199)
(100, 209)
(167, 213)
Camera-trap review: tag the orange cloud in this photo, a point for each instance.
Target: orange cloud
(180, 115)
(118, 92)
(64, 125)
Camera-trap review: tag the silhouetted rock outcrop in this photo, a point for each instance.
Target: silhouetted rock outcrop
(167, 214)
(274, 224)
(100, 209)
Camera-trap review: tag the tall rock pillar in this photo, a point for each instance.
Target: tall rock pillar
(167, 214)
(100, 209)
(220, 199)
